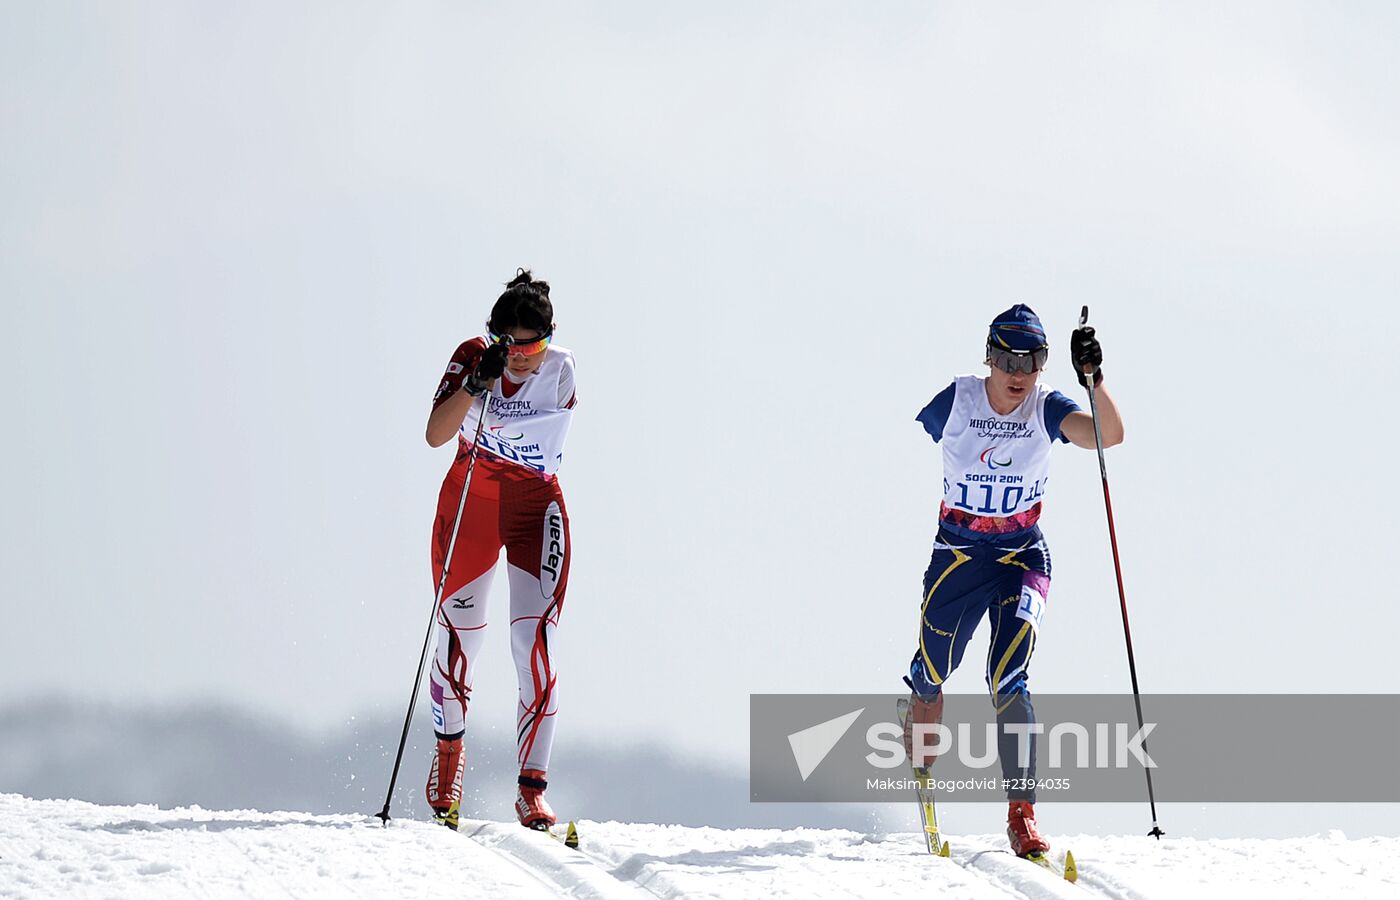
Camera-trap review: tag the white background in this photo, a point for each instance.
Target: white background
(239, 242)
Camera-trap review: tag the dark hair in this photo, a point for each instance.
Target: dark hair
(525, 304)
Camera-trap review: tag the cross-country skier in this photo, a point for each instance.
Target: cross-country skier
(989, 558)
(526, 384)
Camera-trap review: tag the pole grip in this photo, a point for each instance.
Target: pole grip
(1088, 371)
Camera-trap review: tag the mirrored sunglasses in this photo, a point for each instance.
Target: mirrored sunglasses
(1013, 361)
(516, 347)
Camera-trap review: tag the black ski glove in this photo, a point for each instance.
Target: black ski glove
(490, 366)
(1085, 353)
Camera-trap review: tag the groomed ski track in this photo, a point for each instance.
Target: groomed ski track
(814, 863)
(65, 848)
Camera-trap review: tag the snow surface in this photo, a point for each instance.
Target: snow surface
(67, 848)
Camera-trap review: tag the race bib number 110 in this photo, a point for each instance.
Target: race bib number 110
(1031, 607)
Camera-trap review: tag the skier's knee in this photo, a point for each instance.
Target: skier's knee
(1005, 694)
(919, 680)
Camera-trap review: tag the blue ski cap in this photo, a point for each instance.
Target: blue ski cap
(1018, 330)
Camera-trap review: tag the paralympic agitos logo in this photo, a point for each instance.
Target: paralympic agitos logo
(989, 456)
(496, 431)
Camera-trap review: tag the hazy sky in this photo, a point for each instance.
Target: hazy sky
(239, 242)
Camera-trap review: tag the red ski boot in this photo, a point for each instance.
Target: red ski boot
(922, 711)
(1026, 841)
(445, 781)
(530, 805)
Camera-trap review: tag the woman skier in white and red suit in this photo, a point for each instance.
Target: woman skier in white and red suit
(525, 384)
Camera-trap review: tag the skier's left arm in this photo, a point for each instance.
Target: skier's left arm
(1078, 427)
(568, 393)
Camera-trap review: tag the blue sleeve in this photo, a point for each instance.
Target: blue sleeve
(935, 415)
(1057, 406)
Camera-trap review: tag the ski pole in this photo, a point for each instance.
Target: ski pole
(1156, 831)
(437, 599)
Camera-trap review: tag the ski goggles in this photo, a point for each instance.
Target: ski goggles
(516, 347)
(1013, 361)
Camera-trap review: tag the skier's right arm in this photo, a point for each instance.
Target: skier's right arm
(452, 401)
(935, 416)
(447, 417)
